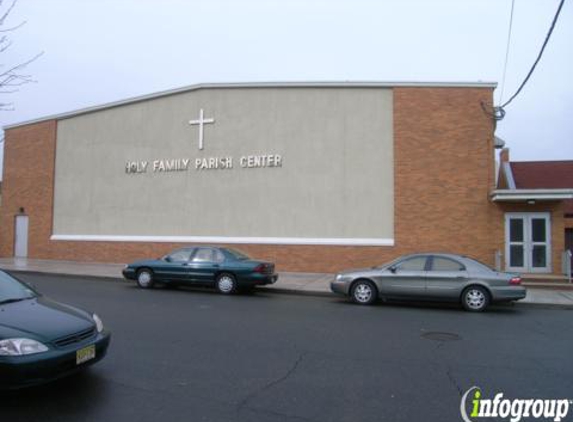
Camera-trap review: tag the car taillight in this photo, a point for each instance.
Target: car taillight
(260, 268)
(515, 281)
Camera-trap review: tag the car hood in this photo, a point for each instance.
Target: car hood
(366, 270)
(42, 319)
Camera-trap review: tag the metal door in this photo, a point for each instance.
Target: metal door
(528, 242)
(204, 265)
(406, 278)
(445, 278)
(21, 237)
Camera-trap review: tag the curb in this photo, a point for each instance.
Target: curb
(542, 305)
(295, 292)
(106, 278)
(276, 290)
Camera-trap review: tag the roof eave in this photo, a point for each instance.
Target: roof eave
(519, 195)
(168, 92)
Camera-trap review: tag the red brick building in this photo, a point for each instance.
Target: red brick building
(316, 177)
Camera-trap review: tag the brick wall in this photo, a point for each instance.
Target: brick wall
(444, 171)
(29, 154)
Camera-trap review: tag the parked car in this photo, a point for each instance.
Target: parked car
(439, 277)
(42, 340)
(228, 270)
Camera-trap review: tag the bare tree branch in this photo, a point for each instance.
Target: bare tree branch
(20, 25)
(7, 12)
(21, 65)
(12, 78)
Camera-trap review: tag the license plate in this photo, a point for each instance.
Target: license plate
(85, 354)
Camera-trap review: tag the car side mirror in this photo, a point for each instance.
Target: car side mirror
(167, 259)
(392, 269)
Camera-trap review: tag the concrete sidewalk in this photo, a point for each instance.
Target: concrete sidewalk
(317, 284)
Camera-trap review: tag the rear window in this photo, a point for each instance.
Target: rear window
(445, 264)
(237, 254)
(480, 265)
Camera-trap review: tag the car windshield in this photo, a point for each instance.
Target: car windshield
(12, 290)
(238, 254)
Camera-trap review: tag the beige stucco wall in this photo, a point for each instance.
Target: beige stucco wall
(336, 178)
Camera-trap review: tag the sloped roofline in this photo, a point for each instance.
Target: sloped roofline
(195, 87)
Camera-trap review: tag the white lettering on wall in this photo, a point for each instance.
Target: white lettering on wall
(257, 161)
(208, 163)
(214, 163)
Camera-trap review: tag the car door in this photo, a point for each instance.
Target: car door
(406, 278)
(173, 267)
(445, 278)
(204, 264)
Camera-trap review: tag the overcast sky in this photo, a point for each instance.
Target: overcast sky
(97, 51)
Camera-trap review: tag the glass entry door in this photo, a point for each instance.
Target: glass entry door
(528, 242)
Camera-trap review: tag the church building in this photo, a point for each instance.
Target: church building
(317, 177)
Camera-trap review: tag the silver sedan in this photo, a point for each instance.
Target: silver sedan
(440, 277)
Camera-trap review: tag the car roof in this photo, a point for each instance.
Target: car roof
(466, 260)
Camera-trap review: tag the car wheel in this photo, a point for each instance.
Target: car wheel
(145, 278)
(475, 299)
(364, 292)
(226, 283)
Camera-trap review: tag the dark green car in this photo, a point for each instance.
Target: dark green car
(228, 270)
(42, 340)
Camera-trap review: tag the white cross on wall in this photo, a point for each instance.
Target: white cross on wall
(201, 121)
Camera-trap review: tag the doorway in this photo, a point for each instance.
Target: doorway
(569, 242)
(528, 242)
(21, 237)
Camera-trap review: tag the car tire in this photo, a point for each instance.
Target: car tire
(475, 299)
(364, 292)
(226, 283)
(145, 278)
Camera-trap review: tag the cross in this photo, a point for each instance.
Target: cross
(201, 121)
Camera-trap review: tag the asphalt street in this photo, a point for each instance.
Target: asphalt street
(191, 355)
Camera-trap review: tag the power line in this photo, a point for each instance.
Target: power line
(507, 50)
(538, 56)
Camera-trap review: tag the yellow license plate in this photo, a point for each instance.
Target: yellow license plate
(85, 354)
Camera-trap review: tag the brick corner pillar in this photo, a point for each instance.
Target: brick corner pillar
(28, 186)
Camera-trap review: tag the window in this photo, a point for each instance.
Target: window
(237, 254)
(444, 264)
(208, 255)
(10, 288)
(182, 255)
(218, 255)
(413, 264)
(203, 255)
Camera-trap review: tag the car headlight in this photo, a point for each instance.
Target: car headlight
(339, 277)
(99, 323)
(20, 347)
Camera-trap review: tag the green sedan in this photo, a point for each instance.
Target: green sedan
(42, 340)
(228, 270)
